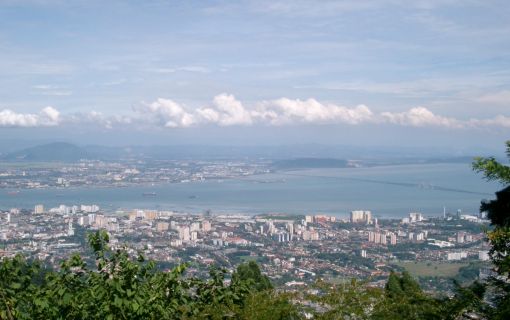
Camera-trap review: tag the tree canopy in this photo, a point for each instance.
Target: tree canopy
(498, 211)
(121, 287)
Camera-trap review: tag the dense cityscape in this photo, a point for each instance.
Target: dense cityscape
(292, 250)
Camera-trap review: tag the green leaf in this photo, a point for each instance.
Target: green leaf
(15, 285)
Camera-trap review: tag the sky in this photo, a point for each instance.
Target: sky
(431, 73)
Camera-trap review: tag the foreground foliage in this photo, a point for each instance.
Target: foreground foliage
(401, 298)
(498, 211)
(119, 287)
(122, 288)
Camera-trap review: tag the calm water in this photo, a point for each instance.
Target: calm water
(391, 191)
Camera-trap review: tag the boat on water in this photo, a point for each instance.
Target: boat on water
(149, 194)
(13, 193)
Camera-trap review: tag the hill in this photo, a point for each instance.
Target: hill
(58, 151)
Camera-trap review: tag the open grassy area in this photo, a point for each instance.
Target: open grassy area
(249, 258)
(432, 268)
(30, 165)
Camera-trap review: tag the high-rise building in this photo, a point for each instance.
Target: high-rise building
(184, 234)
(206, 226)
(415, 217)
(368, 217)
(150, 214)
(290, 227)
(271, 227)
(162, 226)
(70, 229)
(460, 237)
(91, 218)
(89, 209)
(393, 239)
(38, 209)
(382, 238)
(83, 220)
(360, 216)
(195, 226)
(357, 216)
(310, 235)
(100, 221)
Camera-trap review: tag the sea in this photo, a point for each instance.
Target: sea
(387, 191)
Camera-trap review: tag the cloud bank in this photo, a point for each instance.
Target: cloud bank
(48, 116)
(225, 110)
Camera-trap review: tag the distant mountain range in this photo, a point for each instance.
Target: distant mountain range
(57, 151)
(282, 157)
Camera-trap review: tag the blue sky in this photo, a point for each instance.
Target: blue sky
(357, 72)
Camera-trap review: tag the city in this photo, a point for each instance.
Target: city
(98, 173)
(292, 250)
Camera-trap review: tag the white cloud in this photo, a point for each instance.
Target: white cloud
(498, 121)
(194, 69)
(50, 90)
(96, 118)
(284, 111)
(56, 93)
(167, 113)
(48, 116)
(45, 87)
(225, 110)
(197, 69)
(162, 70)
(420, 117)
(501, 97)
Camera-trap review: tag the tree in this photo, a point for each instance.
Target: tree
(350, 300)
(498, 211)
(404, 299)
(250, 273)
(122, 287)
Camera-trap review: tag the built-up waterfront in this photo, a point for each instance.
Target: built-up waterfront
(293, 250)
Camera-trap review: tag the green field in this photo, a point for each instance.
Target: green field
(431, 268)
(31, 165)
(249, 258)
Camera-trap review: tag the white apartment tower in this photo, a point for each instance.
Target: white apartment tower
(361, 216)
(38, 209)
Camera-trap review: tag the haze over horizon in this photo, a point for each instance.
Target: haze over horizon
(428, 73)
